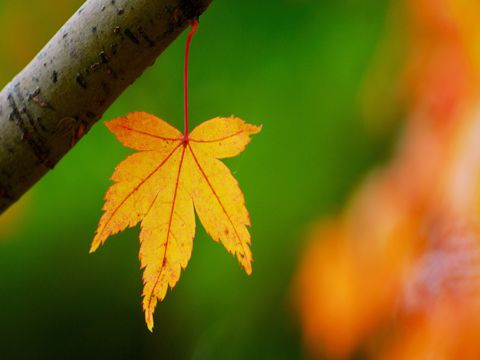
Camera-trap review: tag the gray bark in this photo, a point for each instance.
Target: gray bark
(95, 56)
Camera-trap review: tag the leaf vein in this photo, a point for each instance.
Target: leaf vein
(135, 189)
(172, 209)
(204, 175)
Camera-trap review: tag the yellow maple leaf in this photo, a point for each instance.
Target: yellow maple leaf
(161, 184)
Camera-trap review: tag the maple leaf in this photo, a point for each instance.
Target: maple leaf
(161, 184)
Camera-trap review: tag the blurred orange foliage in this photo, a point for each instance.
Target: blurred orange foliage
(396, 276)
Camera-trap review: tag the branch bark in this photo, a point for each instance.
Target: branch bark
(104, 47)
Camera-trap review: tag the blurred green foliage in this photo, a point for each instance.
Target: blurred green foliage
(295, 66)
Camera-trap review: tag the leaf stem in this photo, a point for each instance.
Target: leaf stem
(194, 25)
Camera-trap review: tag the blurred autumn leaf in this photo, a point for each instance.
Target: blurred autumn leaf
(397, 275)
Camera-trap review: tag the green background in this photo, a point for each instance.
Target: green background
(295, 66)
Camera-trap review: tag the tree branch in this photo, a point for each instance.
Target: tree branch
(96, 55)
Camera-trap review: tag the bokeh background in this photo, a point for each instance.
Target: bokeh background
(322, 79)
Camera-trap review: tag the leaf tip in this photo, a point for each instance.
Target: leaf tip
(95, 245)
(93, 248)
(247, 265)
(251, 129)
(254, 129)
(149, 319)
(150, 326)
(115, 123)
